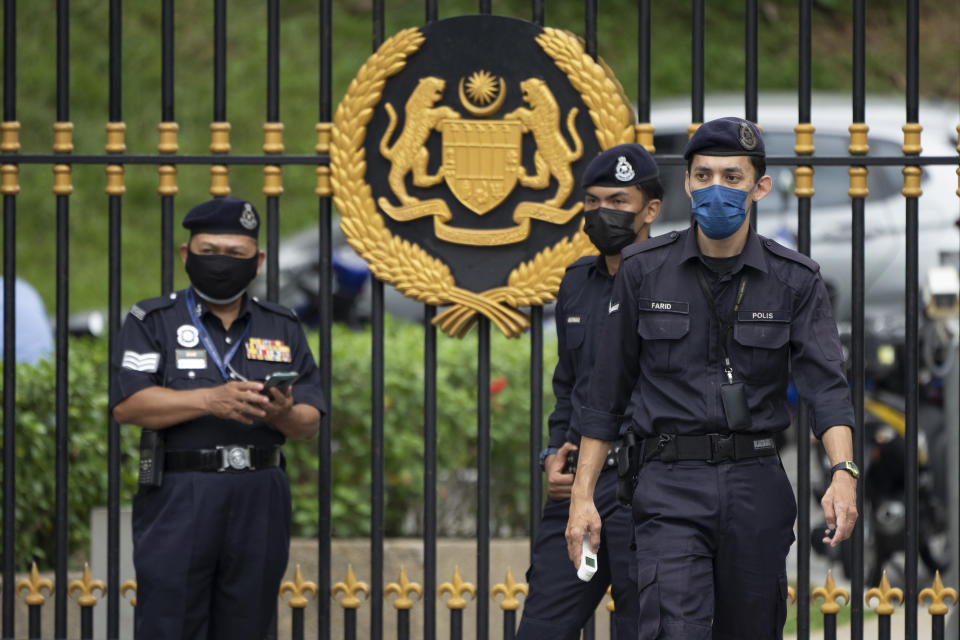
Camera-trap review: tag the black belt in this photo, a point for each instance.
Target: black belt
(231, 457)
(712, 447)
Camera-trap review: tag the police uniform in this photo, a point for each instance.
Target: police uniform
(211, 543)
(714, 510)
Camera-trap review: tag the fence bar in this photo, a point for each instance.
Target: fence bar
(429, 471)
(219, 60)
(590, 27)
(643, 61)
(378, 26)
(483, 476)
(485, 7)
(273, 117)
(590, 628)
(536, 419)
(750, 68)
(430, 7)
(538, 13)
(696, 64)
(166, 115)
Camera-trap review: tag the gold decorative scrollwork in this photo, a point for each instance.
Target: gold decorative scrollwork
(297, 588)
(456, 589)
(403, 590)
(830, 592)
(33, 587)
(509, 589)
(884, 594)
(611, 605)
(130, 585)
(86, 586)
(937, 594)
(350, 588)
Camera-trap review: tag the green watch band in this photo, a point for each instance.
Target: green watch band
(847, 465)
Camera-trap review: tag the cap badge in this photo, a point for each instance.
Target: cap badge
(624, 171)
(247, 218)
(748, 139)
(187, 336)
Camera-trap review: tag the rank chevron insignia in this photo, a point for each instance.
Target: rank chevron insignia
(143, 362)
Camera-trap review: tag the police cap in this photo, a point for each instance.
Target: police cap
(223, 216)
(624, 164)
(725, 137)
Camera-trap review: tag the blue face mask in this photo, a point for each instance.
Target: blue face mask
(719, 210)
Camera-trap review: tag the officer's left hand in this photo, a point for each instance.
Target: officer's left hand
(840, 507)
(279, 406)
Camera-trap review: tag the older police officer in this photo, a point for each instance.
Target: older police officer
(211, 520)
(623, 195)
(708, 324)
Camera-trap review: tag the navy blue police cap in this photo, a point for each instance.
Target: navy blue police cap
(624, 164)
(223, 216)
(725, 137)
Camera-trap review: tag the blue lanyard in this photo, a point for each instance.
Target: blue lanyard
(222, 363)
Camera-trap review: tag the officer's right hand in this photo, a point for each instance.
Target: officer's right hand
(240, 401)
(584, 521)
(558, 482)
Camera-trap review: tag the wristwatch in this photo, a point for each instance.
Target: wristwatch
(549, 451)
(848, 466)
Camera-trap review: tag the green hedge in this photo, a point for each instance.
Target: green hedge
(403, 428)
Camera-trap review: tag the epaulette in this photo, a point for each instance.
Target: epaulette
(585, 261)
(650, 243)
(778, 249)
(145, 307)
(276, 308)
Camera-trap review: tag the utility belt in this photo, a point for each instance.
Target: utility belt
(610, 462)
(155, 459)
(712, 447)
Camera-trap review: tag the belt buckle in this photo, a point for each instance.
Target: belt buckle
(721, 448)
(235, 457)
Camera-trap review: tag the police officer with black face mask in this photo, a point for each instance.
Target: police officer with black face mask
(211, 520)
(622, 197)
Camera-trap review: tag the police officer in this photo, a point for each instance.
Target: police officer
(212, 517)
(623, 195)
(709, 323)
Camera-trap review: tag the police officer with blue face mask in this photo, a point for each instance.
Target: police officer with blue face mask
(705, 327)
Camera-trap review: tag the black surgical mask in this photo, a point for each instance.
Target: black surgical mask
(220, 279)
(610, 230)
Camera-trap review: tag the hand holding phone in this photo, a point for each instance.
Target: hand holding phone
(280, 380)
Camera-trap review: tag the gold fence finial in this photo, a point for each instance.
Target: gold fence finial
(830, 592)
(9, 182)
(297, 588)
(804, 139)
(129, 585)
(884, 594)
(791, 594)
(350, 589)
(858, 139)
(911, 182)
(937, 594)
(115, 137)
(62, 137)
(403, 589)
(324, 133)
(456, 589)
(611, 605)
(644, 133)
(692, 129)
(911, 138)
(10, 136)
(86, 586)
(33, 585)
(509, 589)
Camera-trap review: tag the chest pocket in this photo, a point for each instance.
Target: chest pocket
(575, 335)
(763, 344)
(662, 332)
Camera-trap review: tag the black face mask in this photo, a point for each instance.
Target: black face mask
(610, 230)
(220, 279)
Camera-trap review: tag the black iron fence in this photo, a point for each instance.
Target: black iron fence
(459, 594)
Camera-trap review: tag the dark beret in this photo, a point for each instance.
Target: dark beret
(624, 164)
(725, 137)
(223, 215)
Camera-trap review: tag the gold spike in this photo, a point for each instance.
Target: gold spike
(219, 137)
(324, 133)
(115, 185)
(62, 137)
(884, 593)
(644, 136)
(115, 141)
(403, 589)
(86, 585)
(858, 139)
(219, 180)
(10, 184)
(692, 129)
(791, 594)
(168, 137)
(804, 145)
(350, 588)
(62, 186)
(830, 592)
(911, 138)
(129, 585)
(10, 136)
(509, 590)
(456, 589)
(273, 137)
(803, 182)
(911, 182)
(324, 189)
(33, 585)
(858, 182)
(611, 606)
(297, 588)
(168, 180)
(272, 180)
(937, 594)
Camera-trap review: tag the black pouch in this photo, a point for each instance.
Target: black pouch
(628, 466)
(151, 458)
(735, 408)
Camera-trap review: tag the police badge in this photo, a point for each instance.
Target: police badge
(460, 185)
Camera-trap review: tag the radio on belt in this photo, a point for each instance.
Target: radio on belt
(588, 561)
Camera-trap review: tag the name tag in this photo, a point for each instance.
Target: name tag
(763, 316)
(573, 319)
(667, 306)
(191, 359)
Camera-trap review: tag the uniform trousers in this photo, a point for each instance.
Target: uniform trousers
(559, 603)
(209, 551)
(712, 543)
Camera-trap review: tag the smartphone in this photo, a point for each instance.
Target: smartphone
(281, 380)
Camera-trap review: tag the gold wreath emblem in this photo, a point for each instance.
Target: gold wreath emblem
(404, 264)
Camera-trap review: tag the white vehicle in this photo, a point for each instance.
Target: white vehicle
(830, 211)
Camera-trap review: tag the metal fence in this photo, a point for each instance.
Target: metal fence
(168, 158)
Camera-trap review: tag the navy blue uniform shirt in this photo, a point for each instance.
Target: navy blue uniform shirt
(159, 345)
(660, 336)
(581, 308)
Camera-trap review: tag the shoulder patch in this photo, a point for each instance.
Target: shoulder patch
(276, 308)
(651, 243)
(145, 307)
(778, 249)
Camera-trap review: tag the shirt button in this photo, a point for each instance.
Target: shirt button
(229, 341)
(674, 234)
(769, 243)
(192, 374)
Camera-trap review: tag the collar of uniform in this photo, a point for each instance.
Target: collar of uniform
(599, 267)
(204, 309)
(751, 256)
